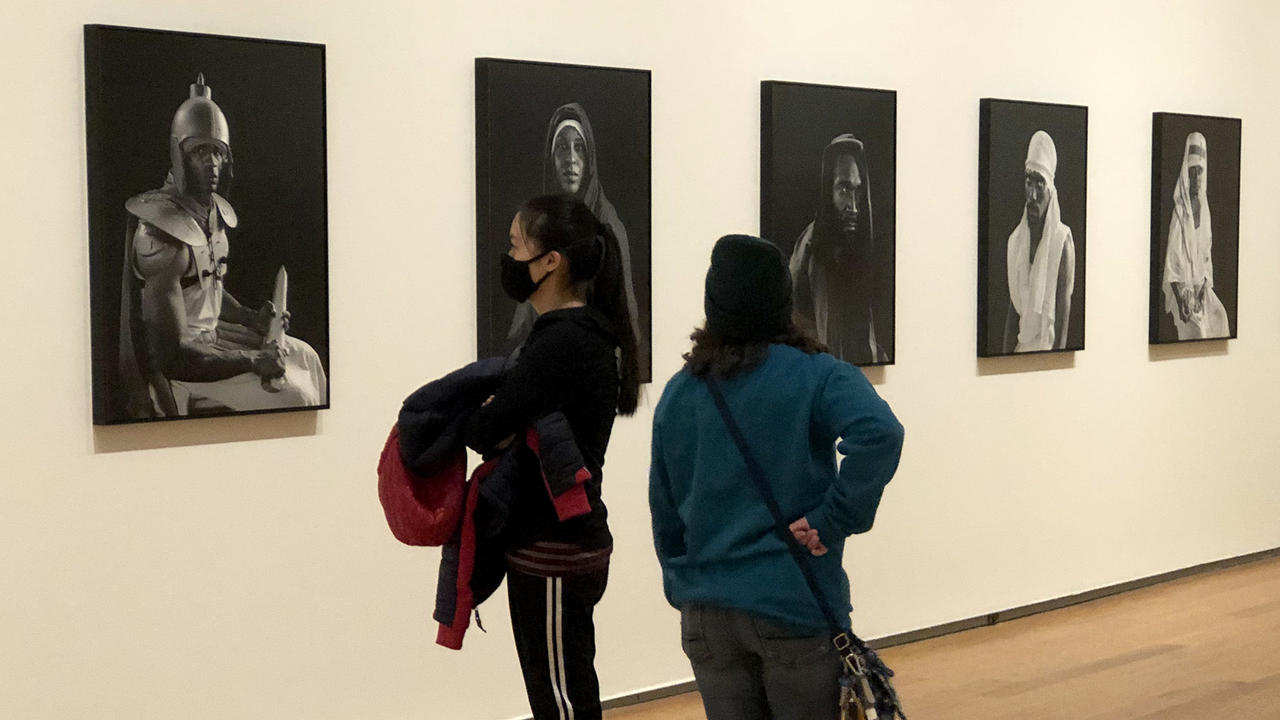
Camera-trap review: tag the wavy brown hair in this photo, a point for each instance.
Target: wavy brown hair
(722, 357)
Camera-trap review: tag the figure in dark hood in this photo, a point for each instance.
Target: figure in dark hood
(569, 167)
(838, 265)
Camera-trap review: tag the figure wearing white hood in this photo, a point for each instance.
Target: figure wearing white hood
(1188, 261)
(1041, 258)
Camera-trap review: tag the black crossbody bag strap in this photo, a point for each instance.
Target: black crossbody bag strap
(799, 552)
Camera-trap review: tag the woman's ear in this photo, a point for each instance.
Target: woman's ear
(552, 260)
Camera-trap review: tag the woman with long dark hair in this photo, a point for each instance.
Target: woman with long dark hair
(579, 359)
(757, 638)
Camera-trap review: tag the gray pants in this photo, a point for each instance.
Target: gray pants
(748, 668)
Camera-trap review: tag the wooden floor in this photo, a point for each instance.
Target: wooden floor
(1202, 647)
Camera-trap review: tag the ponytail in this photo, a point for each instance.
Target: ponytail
(609, 296)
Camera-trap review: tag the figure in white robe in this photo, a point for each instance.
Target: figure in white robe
(1041, 259)
(1188, 259)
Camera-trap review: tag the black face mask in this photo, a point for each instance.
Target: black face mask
(517, 283)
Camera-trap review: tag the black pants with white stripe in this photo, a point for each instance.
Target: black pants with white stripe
(556, 641)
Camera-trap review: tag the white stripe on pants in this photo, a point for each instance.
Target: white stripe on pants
(555, 646)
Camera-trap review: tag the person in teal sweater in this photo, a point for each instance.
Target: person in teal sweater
(755, 636)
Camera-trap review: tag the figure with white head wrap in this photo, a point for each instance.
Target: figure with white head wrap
(1188, 260)
(1042, 259)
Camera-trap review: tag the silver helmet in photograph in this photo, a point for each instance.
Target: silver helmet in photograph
(198, 119)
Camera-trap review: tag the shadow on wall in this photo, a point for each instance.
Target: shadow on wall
(205, 431)
(1183, 350)
(875, 374)
(1026, 362)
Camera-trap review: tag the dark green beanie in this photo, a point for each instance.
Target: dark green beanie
(748, 293)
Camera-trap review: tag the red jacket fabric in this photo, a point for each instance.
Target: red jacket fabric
(451, 630)
(480, 561)
(427, 500)
(420, 510)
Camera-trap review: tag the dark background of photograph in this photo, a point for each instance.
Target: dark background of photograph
(273, 94)
(798, 121)
(1006, 128)
(1169, 136)
(514, 103)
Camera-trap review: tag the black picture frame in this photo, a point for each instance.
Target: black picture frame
(1169, 135)
(1005, 129)
(273, 94)
(799, 124)
(515, 101)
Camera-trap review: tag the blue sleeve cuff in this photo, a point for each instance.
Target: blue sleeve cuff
(819, 521)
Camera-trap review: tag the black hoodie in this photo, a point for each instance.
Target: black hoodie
(568, 363)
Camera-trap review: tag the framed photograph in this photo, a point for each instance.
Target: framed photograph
(828, 179)
(550, 128)
(1032, 181)
(1195, 227)
(208, 229)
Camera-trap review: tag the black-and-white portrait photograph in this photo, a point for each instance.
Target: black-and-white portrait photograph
(1032, 178)
(828, 178)
(1195, 227)
(546, 128)
(208, 227)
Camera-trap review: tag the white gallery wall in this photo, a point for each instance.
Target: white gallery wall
(241, 567)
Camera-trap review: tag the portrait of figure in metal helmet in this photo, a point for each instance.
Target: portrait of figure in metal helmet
(546, 128)
(208, 225)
